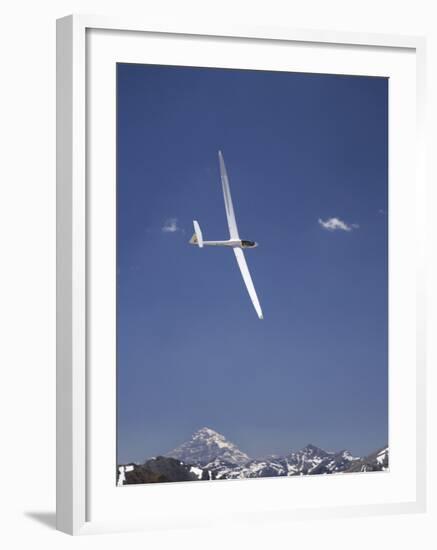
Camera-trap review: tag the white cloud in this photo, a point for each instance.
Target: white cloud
(335, 224)
(171, 226)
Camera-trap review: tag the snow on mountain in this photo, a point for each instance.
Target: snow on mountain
(382, 456)
(209, 455)
(313, 460)
(197, 471)
(159, 470)
(254, 468)
(308, 461)
(206, 446)
(377, 461)
(122, 473)
(212, 451)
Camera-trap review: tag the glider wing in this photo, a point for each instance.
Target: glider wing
(239, 254)
(230, 214)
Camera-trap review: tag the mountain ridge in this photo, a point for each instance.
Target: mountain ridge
(209, 455)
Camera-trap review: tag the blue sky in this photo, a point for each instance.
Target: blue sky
(191, 352)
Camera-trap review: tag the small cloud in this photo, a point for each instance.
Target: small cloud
(171, 226)
(382, 212)
(335, 224)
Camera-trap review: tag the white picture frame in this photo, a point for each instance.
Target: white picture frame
(74, 341)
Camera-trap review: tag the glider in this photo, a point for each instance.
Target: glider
(234, 240)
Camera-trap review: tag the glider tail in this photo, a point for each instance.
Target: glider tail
(197, 238)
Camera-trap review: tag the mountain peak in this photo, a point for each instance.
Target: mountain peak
(205, 431)
(313, 450)
(312, 447)
(207, 445)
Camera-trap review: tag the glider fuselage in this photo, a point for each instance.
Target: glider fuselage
(233, 243)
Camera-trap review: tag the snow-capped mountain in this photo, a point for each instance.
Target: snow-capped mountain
(308, 461)
(313, 460)
(374, 462)
(209, 455)
(207, 446)
(211, 450)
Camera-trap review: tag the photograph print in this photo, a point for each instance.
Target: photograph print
(252, 274)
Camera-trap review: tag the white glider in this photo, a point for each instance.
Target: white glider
(234, 240)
